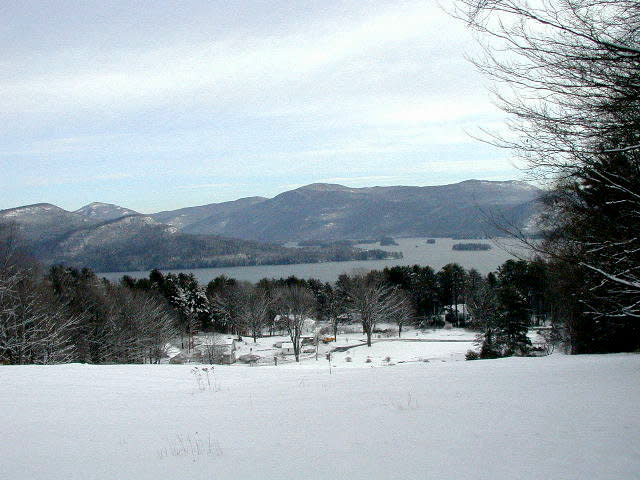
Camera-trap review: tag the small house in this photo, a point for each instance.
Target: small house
(226, 351)
(178, 359)
(218, 350)
(308, 340)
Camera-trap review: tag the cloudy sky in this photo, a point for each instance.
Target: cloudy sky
(157, 105)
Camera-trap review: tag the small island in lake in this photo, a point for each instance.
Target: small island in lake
(471, 246)
(387, 241)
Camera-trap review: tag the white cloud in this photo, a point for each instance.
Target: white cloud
(207, 185)
(360, 91)
(70, 179)
(288, 72)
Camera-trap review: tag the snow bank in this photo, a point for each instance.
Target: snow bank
(556, 417)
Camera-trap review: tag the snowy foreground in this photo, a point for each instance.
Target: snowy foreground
(556, 417)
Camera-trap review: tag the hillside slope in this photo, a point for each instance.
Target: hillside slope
(139, 242)
(335, 212)
(558, 417)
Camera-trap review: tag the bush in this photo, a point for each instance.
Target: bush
(472, 355)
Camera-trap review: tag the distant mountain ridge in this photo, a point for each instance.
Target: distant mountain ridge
(139, 242)
(323, 211)
(108, 237)
(188, 219)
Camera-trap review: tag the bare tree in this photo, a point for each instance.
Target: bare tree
(158, 326)
(566, 72)
(253, 309)
(138, 327)
(212, 346)
(298, 304)
(33, 327)
(373, 302)
(401, 309)
(333, 310)
(226, 304)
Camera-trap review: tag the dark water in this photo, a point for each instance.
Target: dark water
(415, 251)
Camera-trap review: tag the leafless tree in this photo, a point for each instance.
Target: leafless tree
(253, 309)
(334, 310)
(567, 72)
(212, 346)
(373, 302)
(226, 304)
(138, 327)
(298, 304)
(33, 327)
(401, 309)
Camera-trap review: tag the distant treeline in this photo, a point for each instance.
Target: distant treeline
(144, 260)
(471, 246)
(383, 241)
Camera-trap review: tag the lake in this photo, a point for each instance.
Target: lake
(415, 251)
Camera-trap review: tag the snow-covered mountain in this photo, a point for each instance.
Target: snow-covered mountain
(42, 222)
(101, 212)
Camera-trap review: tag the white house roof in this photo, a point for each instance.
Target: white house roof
(306, 320)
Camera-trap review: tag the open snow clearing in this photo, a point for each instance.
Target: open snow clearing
(556, 417)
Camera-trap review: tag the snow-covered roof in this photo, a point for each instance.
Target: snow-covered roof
(306, 320)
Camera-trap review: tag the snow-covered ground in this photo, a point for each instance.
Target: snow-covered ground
(557, 417)
(413, 346)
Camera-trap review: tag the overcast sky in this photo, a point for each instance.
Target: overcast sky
(157, 105)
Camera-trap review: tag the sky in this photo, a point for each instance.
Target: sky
(157, 105)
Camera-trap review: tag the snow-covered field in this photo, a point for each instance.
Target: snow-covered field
(413, 346)
(556, 417)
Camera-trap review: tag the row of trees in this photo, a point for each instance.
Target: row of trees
(510, 300)
(69, 315)
(283, 305)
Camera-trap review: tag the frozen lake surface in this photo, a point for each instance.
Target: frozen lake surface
(416, 251)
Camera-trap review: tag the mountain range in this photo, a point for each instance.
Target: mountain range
(324, 212)
(248, 231)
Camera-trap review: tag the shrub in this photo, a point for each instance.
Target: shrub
(472, 355)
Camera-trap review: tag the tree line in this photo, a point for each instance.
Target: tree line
(70, 315)
(66, 314)
(501, 305)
